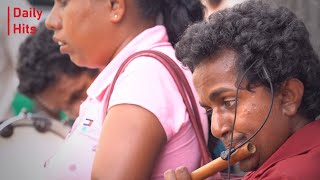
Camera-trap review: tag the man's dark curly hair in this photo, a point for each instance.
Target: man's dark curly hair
(41, 63)
(269, 36)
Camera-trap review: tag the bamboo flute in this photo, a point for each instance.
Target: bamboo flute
(219, 164)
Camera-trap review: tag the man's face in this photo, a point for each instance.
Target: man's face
(66, 95)
(215, 82)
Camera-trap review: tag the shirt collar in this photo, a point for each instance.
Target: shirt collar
(300, 142)
(145, 40)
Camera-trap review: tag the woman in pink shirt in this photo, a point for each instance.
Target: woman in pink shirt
(145, 129)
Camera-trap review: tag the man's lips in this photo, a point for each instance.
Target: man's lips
(235, 143)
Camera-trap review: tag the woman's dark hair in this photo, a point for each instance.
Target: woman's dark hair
(41, 63)
(177, 14)
(270, 37)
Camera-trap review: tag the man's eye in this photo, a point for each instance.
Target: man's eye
(229, 103)
(209, 112)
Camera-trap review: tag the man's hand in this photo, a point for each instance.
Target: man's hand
(181, 173)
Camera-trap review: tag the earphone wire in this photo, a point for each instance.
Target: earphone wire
(265, 120)
(230, 151)
(235, 116)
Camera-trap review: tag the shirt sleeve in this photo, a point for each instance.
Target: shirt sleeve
(147, 83)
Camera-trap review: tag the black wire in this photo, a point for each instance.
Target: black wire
(230, 151)
(235, 116)
(265, 120)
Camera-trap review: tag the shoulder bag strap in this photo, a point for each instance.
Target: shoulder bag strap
(184, 89)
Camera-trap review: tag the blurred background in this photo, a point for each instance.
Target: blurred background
(13, 102)
(308, 10)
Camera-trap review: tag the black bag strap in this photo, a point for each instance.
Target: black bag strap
(184, 89)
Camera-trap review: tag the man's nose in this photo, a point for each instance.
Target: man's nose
(220, 124)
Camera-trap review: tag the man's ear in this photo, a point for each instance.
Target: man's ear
(117, 10)
(292, 92)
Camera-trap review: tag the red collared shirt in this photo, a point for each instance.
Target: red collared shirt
(297, 158)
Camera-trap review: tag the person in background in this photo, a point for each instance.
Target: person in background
(213, 6)
(49, 77)
(9, 45)
(280, 91)
(145, 129)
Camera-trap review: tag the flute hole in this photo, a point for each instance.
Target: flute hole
(251, 148)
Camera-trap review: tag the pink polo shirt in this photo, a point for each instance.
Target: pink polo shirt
(146, 83)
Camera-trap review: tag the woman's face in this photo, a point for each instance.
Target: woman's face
(213, 8)
(82, 29)
(214, 81)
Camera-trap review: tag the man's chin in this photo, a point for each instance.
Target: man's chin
(250, 164)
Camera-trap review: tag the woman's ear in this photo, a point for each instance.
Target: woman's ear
(292, 92)
(117, 10)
